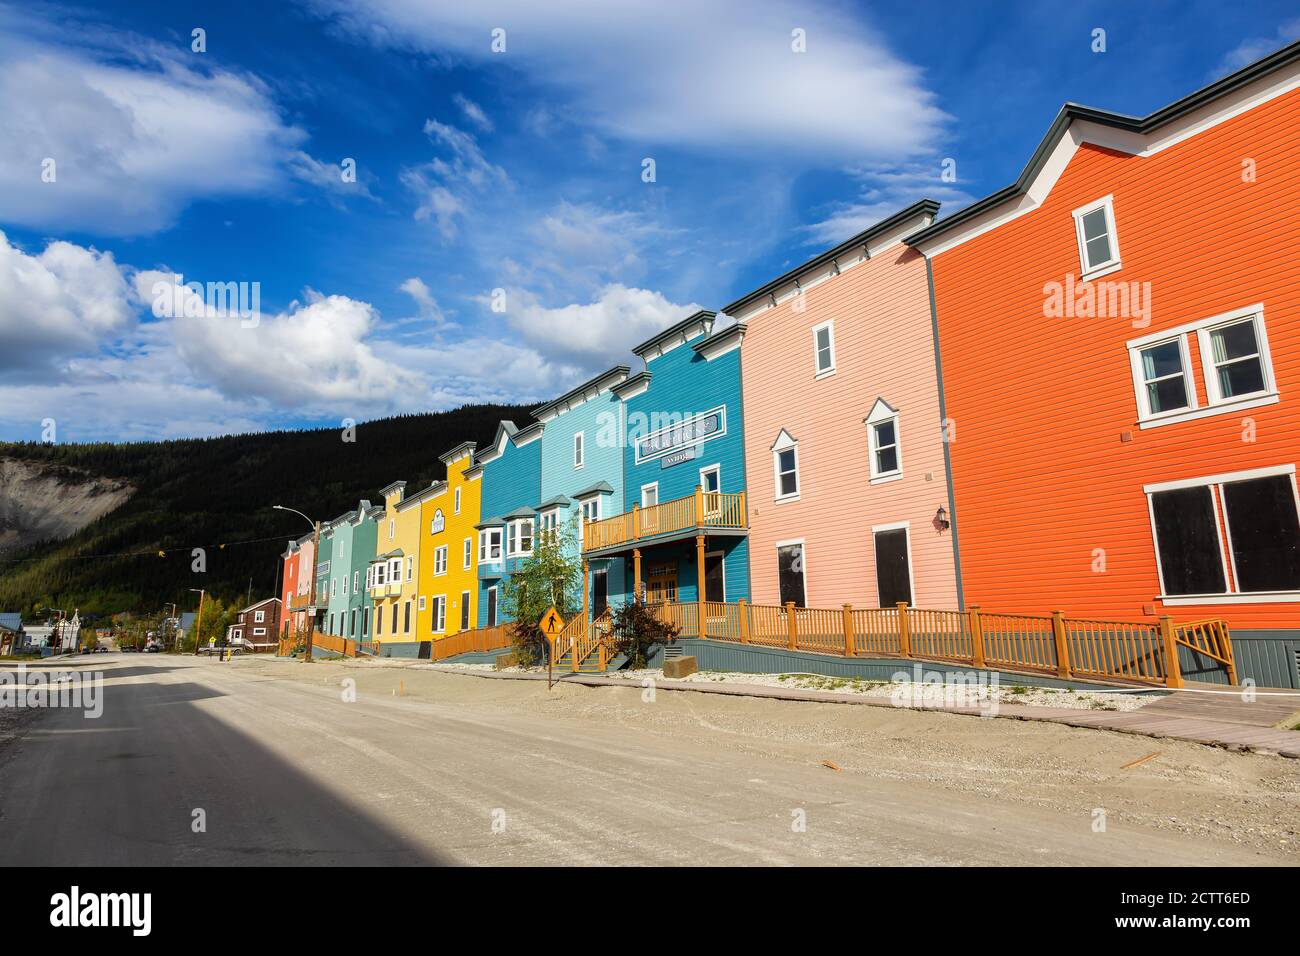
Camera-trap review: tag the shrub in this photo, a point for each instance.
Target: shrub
(637, 629)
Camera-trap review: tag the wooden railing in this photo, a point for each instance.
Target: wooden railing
(481, 639)
(714, 509)
(1141, 652)
(581, 639)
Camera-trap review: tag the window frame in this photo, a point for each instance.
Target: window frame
(515, 549)
(579, 450)
(456, 501)
(1223, 533)
(650, 486)
(485, 544)
(818, 371)
(1089, 271)
(439, 608)
(468, 556)
(440, 557)
(803, 554)
(777, 449)
(1215, 404)
(878, 477)
(465, 608)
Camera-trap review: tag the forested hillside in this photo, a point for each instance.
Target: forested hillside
(217, 494)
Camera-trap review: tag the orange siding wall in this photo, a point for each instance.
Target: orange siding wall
(883, 349)
(1041, 476)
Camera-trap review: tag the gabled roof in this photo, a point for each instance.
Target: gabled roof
(494, 522)
(580, 394)
(11, 620)
(599, 488)
(559, 501)
(257, 604)
(505, 430)
(924, 207)
(523, 511)
(678, 330)
(1071, 113)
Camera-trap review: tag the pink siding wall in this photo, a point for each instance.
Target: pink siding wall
(883, 348)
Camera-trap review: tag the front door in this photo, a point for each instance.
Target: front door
(715, 588)
(599, 592)
(661, 584)
(492, 607)
(893, 567)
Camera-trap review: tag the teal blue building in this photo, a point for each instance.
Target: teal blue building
(683, 469)
(511, 474)
(352, 537)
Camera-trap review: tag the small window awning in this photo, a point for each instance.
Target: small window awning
(599, 488)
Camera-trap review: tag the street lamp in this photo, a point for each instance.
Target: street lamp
(198, 624)
(315, 555)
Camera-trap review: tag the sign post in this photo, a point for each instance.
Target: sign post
(552, 626)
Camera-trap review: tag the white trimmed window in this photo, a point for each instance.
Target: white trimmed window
(1235, 368)
(1228, 539)
(824, 349)
(334, 587)
(469, 553)
(1094, 226)
(590, 509)
(356, 581)
(421, 602)
(884, 448)
(439, 613)
(519, 538)
(650, 495)
(549, 521)
(785, 467)
(579, 449)
(259, 617)
(489, 545)
(410, 567)
(395, 570)
(456, 506)
(392, 528)
(440, 560)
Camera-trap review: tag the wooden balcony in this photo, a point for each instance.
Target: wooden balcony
(701, 512)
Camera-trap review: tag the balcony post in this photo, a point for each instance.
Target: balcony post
(636, 522)
(976, 636)
(1062, 644)
(904, 632)
(636, 573)
(699, 506)
(1173, 670)
(584, 589)
(848, 630)
(791, 625)
(742, 611)
(699, 576)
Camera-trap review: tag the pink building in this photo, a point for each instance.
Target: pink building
(844, 452)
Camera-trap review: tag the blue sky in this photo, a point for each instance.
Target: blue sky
(477, 170)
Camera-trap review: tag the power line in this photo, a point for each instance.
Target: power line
(153, 552)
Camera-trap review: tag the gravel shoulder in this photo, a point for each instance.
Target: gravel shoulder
(1208, 794)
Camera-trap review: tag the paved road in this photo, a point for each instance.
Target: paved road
(285, 772)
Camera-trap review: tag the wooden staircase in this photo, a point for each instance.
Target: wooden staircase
(587, 647)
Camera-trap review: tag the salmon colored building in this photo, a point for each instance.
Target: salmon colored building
(844, 455)
(295, 588)
(1120, 343)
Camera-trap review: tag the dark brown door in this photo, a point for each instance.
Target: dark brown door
(893, 571)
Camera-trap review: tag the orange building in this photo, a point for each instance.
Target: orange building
(1120, 341)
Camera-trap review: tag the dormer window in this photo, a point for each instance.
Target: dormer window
(785, 466)
(1094, 226)
(883, 441)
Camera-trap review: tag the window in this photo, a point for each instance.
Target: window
(421, 602)
(394, 619)
(519, 537)
(790, 572)
(456, 506)
(1254, 554)
(352, 623)
(392, 528)
(549, 522)
(1235, 366)
(440, 560)
(785, 463)
(1163, 374)
(591, 509)
(650, 495)
(439, 613)
(259, 632)
(410, 567)
(884, 449)
(406, 616)
(1094, 227)
(379, 621)
(824, 349)
(259, 617)
(711, 485)
(469, 553)
(464, 610)
(579, 449)
(893, 564)
(380, 574)
(492, 607)
(365, 622)
(334, 586)
(345, 585)
(489, 545)
(356, 579)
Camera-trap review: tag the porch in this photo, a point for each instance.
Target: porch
(713, 512)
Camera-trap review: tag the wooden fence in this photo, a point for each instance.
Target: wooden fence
(481, 639)
(1142, 652)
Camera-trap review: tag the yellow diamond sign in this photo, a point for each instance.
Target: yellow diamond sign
(552, 623)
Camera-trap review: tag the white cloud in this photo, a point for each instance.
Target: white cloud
(446, 183)
(1248, 51)
(700, 74)
(135, 132)
(593, 333)
(427, 308)
(883, 192)
(473, 112)
(58, 303)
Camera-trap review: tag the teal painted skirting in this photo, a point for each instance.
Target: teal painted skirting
(1266, 657)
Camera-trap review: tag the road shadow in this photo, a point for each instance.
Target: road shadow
(158, 781)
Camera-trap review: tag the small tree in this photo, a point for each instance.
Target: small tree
(551, 576)
(638, 629)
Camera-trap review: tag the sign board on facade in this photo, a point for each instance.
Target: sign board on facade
(690, 431)
(677, 457)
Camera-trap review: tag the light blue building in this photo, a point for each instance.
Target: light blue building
(683, 470)
(582, 472)
(510, 470)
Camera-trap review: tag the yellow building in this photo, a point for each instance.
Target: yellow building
(393, 579)
(449, 510)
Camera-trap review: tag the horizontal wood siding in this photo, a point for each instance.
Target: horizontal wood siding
(1041, 474)
(883, 349)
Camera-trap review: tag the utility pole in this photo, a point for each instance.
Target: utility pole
(198, 624)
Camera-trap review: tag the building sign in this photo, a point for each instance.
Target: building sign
(437, 524)
(677, 457)
(690, 431)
